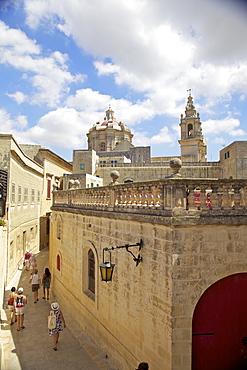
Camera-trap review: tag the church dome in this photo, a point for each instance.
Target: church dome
(112, 123)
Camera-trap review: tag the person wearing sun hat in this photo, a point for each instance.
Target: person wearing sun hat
(60, 323)
(20, 303)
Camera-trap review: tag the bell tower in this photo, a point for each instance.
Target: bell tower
(192, 144)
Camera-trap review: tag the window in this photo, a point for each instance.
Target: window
(190, 129)
(126, 181)
(13, 193)
(32, 195)
(82, 166)
(25, 195)
(19, 194)
(58, 262)
(91, 184)
(48, 188)
(38, 196)
(227, 155)
(59, 227)
(91, 271)
(102, 146)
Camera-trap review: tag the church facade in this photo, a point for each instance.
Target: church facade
(110, 148)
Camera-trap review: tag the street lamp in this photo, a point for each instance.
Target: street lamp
(106, 268)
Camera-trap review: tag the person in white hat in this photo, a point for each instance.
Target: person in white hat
(20, 303)
(60, 323)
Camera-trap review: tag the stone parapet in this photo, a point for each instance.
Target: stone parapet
(158, 197)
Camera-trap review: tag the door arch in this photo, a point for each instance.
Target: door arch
(219, 326)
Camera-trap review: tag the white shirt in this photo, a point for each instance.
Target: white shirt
(35, 279)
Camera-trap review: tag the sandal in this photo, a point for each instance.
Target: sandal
(18, 329)
(55, 348)
(22, 327)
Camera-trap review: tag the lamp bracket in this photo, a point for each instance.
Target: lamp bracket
(137, 259)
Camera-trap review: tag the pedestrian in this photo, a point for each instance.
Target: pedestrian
(143, 366)
(20, 303)
(27, 260)
(32, 261)
(60, 323)
(46, 281)
(11, 304)
(36, 284)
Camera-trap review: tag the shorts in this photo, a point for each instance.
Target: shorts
(27, 263)
(35, 287)
(19, 310)
(12, 308)
(46, 285)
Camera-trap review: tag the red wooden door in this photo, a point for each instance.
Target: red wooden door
(219, 329)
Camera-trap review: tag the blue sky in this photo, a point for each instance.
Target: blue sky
(62, 64)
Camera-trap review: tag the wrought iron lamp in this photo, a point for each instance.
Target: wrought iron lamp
(106, 268)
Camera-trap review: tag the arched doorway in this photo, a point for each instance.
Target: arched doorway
(219, 328)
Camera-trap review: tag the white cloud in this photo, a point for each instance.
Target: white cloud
(10, 125)
(18, 96)
(48, 76)
(227, 124)
(64, 128)
(163, 137)
(93, 101)
(152, 45)
(15, 42)
(238, 132)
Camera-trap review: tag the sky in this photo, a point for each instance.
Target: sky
(63, 63)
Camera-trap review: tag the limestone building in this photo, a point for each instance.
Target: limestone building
(28, 175)
(184, 304)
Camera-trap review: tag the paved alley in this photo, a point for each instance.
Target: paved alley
(31, 348)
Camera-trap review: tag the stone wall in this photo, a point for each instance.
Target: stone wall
(3, 258)
(157, 172)
(202, 255)
(145, 313)
(233, 159)
(130, 317)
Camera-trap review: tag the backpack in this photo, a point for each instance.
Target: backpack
(19, 302)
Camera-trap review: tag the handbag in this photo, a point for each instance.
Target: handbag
(52, 321)
(11, 301)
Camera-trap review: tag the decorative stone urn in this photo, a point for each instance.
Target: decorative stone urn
(175, 165)
(114, 175)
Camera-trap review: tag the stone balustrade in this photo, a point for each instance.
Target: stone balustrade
(159, 164)
(205, 195)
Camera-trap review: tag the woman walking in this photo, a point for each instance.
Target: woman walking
(27, 260)
(32, 262)
(46, 281)
(11, 304)
(36, 284)
(20, 303)
(60, 323)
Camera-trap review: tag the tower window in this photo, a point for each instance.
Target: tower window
(190, 129)
(102, 146)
